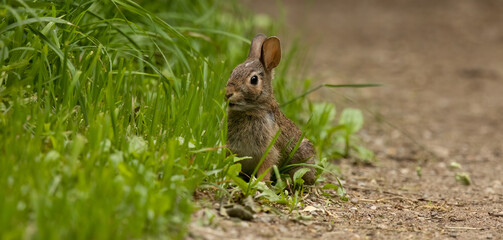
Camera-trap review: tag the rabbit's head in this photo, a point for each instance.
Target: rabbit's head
(250, 85)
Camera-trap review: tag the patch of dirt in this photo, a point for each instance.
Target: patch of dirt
(442, 102)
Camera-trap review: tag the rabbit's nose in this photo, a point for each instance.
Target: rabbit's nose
(228, 95)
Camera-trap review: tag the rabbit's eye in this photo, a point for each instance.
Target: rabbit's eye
(254, 80)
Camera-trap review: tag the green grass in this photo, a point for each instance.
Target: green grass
(103, 104)
(112, 114)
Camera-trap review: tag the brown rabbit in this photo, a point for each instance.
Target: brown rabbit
(254, 116)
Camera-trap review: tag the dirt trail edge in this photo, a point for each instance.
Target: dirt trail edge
(441, 63)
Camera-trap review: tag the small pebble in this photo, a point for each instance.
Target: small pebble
(240, 212)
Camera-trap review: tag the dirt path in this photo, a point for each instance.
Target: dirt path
(441, 63)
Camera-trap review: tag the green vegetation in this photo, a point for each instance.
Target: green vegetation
(112, 114)
(461, 177)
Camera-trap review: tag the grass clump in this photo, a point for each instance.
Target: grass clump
(104, 105)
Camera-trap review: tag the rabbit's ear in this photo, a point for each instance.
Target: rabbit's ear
(256, 46)
(271, 53)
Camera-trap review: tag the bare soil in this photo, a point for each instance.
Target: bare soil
(441, 63)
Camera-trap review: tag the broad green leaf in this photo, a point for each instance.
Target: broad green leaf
(234, 169)
(352, 119)
(463, 178)
(297, 176)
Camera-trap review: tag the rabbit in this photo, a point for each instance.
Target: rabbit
(254, 116)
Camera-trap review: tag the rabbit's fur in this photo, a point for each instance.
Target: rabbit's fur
(254, 116)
